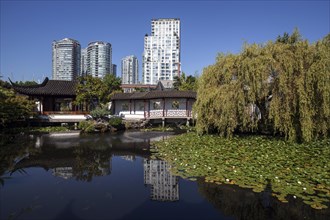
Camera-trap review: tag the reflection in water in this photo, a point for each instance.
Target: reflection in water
(117, 159)
(246, 204)
(103, 168)
(128, 158)
(63, 172)
(164, 186)
(83, 158)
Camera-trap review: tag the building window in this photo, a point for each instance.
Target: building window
(141, 106)
(125, 107)
(156, 105)
(175, 104)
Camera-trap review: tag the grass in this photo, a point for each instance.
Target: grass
(297, 170)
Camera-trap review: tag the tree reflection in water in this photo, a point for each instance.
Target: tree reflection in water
(85, 157)
(14, 148)
(78, 156)
(243, 203)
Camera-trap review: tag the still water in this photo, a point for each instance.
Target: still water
(112, 176)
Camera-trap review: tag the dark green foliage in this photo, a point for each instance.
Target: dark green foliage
(140, 89)
(113, 84)
(287, 39)
(86, 126)
(185, 83)
(90, 90)
(5, 84)
(100, 112)
(115, 121)
(14, 107)
(94, 91)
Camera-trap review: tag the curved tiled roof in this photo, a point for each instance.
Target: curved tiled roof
(154, 95)
(48, 87)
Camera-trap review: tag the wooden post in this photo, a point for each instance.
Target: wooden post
(130, 106)
(149, 108)
(144, 109)
(187, 124)
(163, 107)
(42, 105)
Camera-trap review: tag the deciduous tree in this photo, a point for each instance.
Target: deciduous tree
(280, 87)
(13, 107)
(90, 90)
(185, 83)
(94, 91)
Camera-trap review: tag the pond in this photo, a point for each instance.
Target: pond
(112, 176)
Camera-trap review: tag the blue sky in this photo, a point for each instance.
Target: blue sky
(27, 28)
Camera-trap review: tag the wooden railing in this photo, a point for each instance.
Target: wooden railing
(170, 113)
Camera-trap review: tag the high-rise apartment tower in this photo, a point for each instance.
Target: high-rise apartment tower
(114, 69)
(161, 56)
(99, 59)
(129, 70)
(83, 62)
(66, 59)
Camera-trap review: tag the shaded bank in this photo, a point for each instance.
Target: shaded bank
(246, 204)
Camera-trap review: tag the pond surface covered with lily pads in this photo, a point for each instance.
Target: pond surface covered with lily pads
(117, 176)
(290, 170)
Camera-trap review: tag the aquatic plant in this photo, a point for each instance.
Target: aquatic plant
(297, 170)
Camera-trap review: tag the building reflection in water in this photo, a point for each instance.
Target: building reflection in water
(63, 172)
(85, 157)
(164, 185)
(104, 166)
(128, 158)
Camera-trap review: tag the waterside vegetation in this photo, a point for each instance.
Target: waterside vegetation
(101, 125)
(296, 170)
(281, 88)
(13, 107)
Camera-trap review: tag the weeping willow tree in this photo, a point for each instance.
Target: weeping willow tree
(279, 87)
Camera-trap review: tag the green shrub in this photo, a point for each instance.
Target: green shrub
(115, 121)
(86, 126)
(99, 112)
(50, 129)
